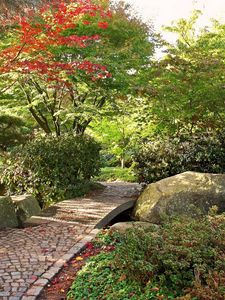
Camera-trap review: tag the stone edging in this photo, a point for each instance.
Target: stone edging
(37, 287)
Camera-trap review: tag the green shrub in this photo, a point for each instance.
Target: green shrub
(107, 238)
(53, 168)
(182, 259)
(162, 158)
(97, 281)
(182, 255)
(12, 131)
(109, 159)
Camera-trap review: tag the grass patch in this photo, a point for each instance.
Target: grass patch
(116, 174)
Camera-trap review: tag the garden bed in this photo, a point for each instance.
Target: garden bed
(59, 286)
(182, 259)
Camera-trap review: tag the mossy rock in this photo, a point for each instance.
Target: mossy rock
(8, 217)
(25, 207)
(188, 193)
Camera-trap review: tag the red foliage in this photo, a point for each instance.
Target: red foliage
(103, 25)
(41, 34)
(59, 285)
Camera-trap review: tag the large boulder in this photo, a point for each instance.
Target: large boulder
(25, 207)
(7, 213)
(189, 193)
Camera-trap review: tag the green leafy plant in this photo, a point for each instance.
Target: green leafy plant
(97, 281)
(107, 238)
(166, 157)
(186, 89)
(116, 173)
(53, 168)
(12, 131)
(182, 259)
(182, 255)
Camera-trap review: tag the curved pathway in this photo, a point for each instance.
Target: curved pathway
(30, 257)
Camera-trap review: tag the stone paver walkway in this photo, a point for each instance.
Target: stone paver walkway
(26, 254)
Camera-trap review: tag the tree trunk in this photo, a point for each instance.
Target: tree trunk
(122, 163)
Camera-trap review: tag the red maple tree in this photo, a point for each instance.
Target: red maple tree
(39, 35)
(41, 55)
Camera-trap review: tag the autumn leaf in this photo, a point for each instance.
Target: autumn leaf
(122, 278)
(79, 258)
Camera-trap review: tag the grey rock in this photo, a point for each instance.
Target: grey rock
(188, 193)
(25, 206)
(122, 227)
(7, 213)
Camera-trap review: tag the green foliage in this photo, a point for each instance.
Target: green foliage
(186, 87)
(116, 134)
(100, 279)
(125, 45)
(181, 256)
(53, 168)
(182, 259)
(166, 157)
(97, 281)
(12, 131)
(116, 173)
(107, 238)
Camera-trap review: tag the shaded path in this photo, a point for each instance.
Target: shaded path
(33, 252)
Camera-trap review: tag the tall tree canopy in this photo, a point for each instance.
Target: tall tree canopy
(70, 57)
(188, 84)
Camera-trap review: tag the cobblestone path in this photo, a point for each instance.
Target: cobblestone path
(26, 254)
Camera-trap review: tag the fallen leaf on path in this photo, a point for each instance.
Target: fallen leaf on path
(79, 258)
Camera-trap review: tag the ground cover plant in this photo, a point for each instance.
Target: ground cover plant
(60, 284)
(183, 259)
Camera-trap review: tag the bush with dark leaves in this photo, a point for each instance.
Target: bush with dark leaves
(161, 158)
